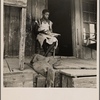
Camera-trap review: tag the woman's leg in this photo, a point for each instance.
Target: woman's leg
(50, 48)
(45, 46)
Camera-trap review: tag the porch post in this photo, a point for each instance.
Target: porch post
(76, 28)
(22, 39)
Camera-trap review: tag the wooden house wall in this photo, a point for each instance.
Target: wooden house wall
(34, 9)
(12, 26)
(11, 30)
(87, 53)
(79, 50)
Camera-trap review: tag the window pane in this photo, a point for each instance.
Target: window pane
(91, 7)
(86, 16)
(85, 6)
(92, 28)
(92, 17)
(86, 27)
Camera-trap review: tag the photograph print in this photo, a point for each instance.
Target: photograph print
(50, 43)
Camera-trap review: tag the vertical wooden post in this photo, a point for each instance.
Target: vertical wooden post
(73, 26)
(22, 39)
(78, 29)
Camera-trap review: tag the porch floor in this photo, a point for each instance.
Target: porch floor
(69, 66)
(66, 63)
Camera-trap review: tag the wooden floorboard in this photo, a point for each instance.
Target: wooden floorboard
(5, 69)
(14, 65)
(77, 63)
(79, 72)
(66, 63)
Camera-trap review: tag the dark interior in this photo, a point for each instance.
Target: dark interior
(60, 15)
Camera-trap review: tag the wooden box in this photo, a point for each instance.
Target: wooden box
(78, 78)
(19, 79)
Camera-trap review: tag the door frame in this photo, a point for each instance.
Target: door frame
(76, 21)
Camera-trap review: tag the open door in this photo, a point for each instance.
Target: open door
(60, 15)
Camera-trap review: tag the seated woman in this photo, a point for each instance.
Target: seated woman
(46, 37)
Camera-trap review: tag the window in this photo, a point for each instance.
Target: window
(89, 20)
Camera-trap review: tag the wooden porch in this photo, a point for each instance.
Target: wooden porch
(82, 72)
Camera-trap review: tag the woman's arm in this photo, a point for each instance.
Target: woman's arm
(51, 23)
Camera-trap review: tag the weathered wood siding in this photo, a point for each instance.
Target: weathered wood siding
(11, 30)
(16, 3)
(34, 9)
(12, 25)
(88, 53)
(79, 50)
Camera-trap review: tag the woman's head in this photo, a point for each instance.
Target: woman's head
(45, 13)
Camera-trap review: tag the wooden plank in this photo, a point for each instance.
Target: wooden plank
(67, 81)
(73, 26)
(13, 84)
(37, 7)
(29, 39)
(13, 37)
(76, 73)
(22, 39)
(14, 31)
(34, 5)
(41, 81)
(14, 64)
(86, 82)
(34, 41)
(5, 67)
(64, 81)
(81, 17)
(57, 81)
(16, 3)
(40, 6)
(19, 79)
(18, 76)
(10, 33)
(6, 30)
(28, 84)
(94, 54)
(83, 82)
(87, 53)
(77, 29)
(75, 63)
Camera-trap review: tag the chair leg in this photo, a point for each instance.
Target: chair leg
(54, 53)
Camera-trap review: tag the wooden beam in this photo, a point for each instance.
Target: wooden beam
(73, 25)
(78, 28)
(22, 39)
(16, 3)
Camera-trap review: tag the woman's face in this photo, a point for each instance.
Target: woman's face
(46, 15)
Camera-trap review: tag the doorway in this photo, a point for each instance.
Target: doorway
(60, 15)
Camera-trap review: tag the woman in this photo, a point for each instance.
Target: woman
(46, 37)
